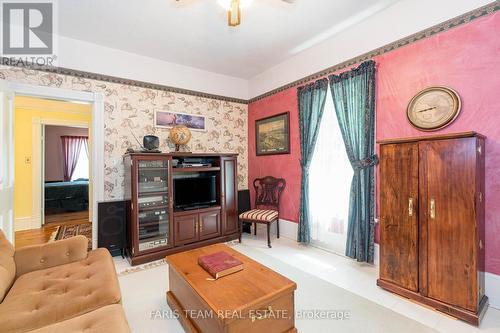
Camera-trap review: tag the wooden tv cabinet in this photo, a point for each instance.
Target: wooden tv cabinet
(156, 229)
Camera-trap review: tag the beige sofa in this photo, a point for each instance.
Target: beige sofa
(59, 287)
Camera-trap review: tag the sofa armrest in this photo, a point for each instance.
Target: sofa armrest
(36, 257)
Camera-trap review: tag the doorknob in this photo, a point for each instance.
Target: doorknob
(433, 209)
(410, 207)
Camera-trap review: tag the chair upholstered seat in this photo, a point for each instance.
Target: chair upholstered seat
(260, 215)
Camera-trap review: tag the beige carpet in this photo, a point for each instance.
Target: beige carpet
(144, 290)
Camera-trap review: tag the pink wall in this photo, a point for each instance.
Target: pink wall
(286, 166)
(53, 149)
(466, 58)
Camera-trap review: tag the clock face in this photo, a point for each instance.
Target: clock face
(433, 108)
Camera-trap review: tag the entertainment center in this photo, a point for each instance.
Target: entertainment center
(179, 201)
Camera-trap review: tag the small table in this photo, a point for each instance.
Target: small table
(256, 299)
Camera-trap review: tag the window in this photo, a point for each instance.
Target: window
(330, 177)
(82, 164)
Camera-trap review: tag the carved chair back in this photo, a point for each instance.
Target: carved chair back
(268, 192)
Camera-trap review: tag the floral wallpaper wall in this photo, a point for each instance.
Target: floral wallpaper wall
(129, 107)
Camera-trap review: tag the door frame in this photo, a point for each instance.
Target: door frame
(7, 163)
(97, 126)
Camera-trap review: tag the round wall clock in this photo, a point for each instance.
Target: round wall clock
(433, 108)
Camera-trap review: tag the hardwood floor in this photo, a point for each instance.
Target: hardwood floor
(42, 235)
(77, 217)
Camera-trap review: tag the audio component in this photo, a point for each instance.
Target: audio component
(112, 223)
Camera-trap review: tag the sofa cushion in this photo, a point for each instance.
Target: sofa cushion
(109, 319)
(7, 266)
(47, 296)
(51, 254)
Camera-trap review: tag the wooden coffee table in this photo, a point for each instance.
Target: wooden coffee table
(256, 299)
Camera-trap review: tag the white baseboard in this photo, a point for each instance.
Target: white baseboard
(26, 223)
(493, 289)
(288, 229)
(376, 254)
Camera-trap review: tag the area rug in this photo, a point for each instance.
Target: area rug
(144, 302)
(142, 267)
(53, 235)
(70, 230)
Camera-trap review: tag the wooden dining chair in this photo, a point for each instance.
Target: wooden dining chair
(267, 204)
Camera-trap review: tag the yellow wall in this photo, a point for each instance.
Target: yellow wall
(27, 111)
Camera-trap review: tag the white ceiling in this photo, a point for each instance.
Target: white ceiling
(195, 32)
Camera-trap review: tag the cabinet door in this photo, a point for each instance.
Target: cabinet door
(209, 225)
(151, 216)
(229, 195)
(449, 183)
(186, 229)
(399, 214)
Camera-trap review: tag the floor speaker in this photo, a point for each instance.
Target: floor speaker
(112, 225)
(243, 206)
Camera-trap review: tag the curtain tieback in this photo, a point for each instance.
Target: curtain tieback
(365, 163)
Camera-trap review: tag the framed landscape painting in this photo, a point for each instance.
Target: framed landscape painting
(166, 119)
(272, 135)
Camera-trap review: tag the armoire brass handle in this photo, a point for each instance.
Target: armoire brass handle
(433, 209)
(410, 207)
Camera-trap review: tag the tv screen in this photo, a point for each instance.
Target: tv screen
(194, 191)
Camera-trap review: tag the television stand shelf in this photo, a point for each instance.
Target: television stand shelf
(165, 229)
(195, 169)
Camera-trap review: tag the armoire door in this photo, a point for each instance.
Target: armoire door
(448, 190)
(399, 214)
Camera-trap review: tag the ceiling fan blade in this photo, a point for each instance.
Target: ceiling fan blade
(288, 1)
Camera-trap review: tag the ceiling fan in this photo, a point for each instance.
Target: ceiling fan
(233, 8)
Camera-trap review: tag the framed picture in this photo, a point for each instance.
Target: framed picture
(272, 135)
(166, 119)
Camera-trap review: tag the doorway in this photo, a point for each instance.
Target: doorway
(8, 92)
(52, 167)
(330, 177)
(66, 175)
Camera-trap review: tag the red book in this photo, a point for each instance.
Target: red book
(220, 264)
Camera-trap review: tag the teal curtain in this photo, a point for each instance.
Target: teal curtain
(353, 95)
(311, 99)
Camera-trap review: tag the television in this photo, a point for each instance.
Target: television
(193, 192)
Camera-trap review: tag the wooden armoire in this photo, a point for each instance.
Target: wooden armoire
(432, 222)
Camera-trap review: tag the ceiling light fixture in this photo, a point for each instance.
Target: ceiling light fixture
(233, 8)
